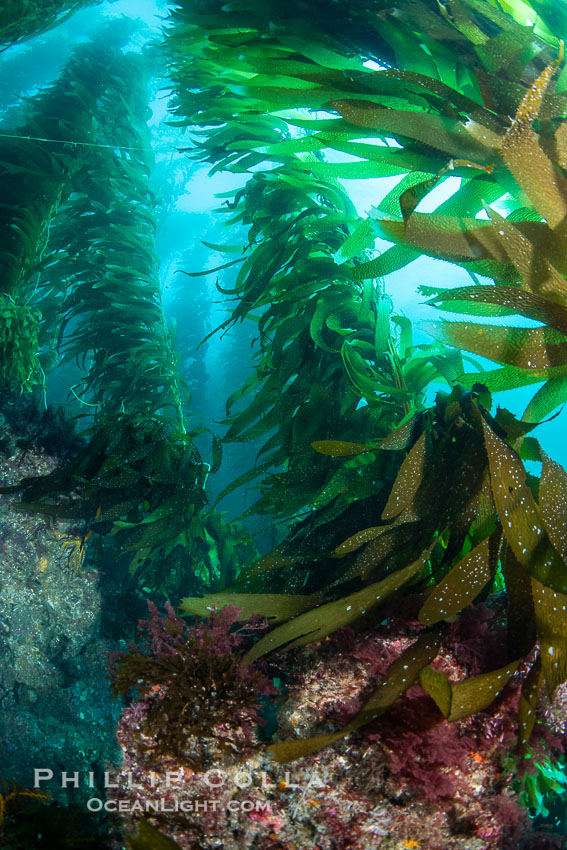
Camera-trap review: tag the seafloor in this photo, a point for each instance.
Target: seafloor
(410, 779)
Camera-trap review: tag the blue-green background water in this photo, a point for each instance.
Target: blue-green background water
(187, 192)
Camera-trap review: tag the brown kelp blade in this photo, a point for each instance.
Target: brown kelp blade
(519, 514)
(457, 700)
(461, 585)
(553, 502)
(535, 172)
(524, 348)
(528, 702)
(276, 607)
(401, 676)
(551, 621)
(325, 619)
(408, 480)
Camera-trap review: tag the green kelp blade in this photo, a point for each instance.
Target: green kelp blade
(400, 677)
(530, 449)
(457, 700)
(462, 584)
(224, 249)
(519, 515)
(551, 622)
(245, 478)
(392, 260)
(325, 619)
(408, 480)
(276, 607)
(150, 838)
(553, 502)
(212, 271)
(340, 448)
(361, 238)
(547, 399)
(528, 701)
(507, 378)
(216, 454)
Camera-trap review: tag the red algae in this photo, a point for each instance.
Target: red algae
(408, 779)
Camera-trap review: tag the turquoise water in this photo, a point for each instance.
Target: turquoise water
(121, 518)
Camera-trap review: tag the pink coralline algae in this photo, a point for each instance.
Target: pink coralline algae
(408, 779)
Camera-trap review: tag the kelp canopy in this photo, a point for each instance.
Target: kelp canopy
(379, 493)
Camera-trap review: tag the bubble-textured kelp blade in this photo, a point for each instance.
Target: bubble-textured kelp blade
(525, 348)
(531, 262)
(276, 607)
(462, 584)
(528, 701)
(519, 515)
(362, 237)
(274, 560)
(400, 438)
(553, 502)
(512, 299)
(355, 541)
(385, 549)
(457, 700)
(408, 480)
(322, 621)
(448, 237)
(436, 131)
(401, 676)
(551, 622)
(533, 170)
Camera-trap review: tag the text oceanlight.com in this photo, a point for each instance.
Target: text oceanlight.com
(95, 804)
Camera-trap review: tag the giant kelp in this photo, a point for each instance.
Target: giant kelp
(86, 272)
(22, 19)
(445, 543)
(491, 114)
(36, 177)
(323, 345)
(255, 84)
(98, 279)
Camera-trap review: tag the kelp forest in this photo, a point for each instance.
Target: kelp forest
(333, 615)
